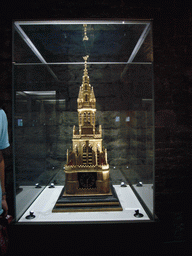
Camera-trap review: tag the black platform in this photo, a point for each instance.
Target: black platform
(88, 203)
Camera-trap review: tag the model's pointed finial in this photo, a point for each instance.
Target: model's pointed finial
(85, 38)
(85, 59)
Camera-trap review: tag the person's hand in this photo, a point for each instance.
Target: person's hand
(4, 207)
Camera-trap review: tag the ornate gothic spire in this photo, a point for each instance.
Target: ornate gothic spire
(86, 97)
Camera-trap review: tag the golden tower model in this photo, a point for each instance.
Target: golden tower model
(87, 184)
(87, 169)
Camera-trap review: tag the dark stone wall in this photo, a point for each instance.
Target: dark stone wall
(172, 39)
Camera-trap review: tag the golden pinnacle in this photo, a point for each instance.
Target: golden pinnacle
(85, 58)
(85, 38)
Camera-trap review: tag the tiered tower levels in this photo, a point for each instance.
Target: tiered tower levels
(87, 154)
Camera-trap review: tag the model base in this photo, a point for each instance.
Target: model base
(88, 203)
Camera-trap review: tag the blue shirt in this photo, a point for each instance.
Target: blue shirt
(4, 142)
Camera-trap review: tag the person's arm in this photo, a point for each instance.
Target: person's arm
(2, 177)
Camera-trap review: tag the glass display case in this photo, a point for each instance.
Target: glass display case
(83, 121)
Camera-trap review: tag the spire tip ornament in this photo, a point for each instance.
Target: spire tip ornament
(85, 58)
(85, 38)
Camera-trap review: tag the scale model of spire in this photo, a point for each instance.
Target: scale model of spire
(87, 169)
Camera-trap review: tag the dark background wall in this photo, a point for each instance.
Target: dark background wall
(172, 39)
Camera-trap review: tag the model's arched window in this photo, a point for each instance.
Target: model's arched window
(84, 117)
(88, 118)
(84, 155)
(86, 97)
(89, 148)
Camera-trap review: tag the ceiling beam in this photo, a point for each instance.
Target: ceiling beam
(139, 43)
(34, 49)
(137, 47)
